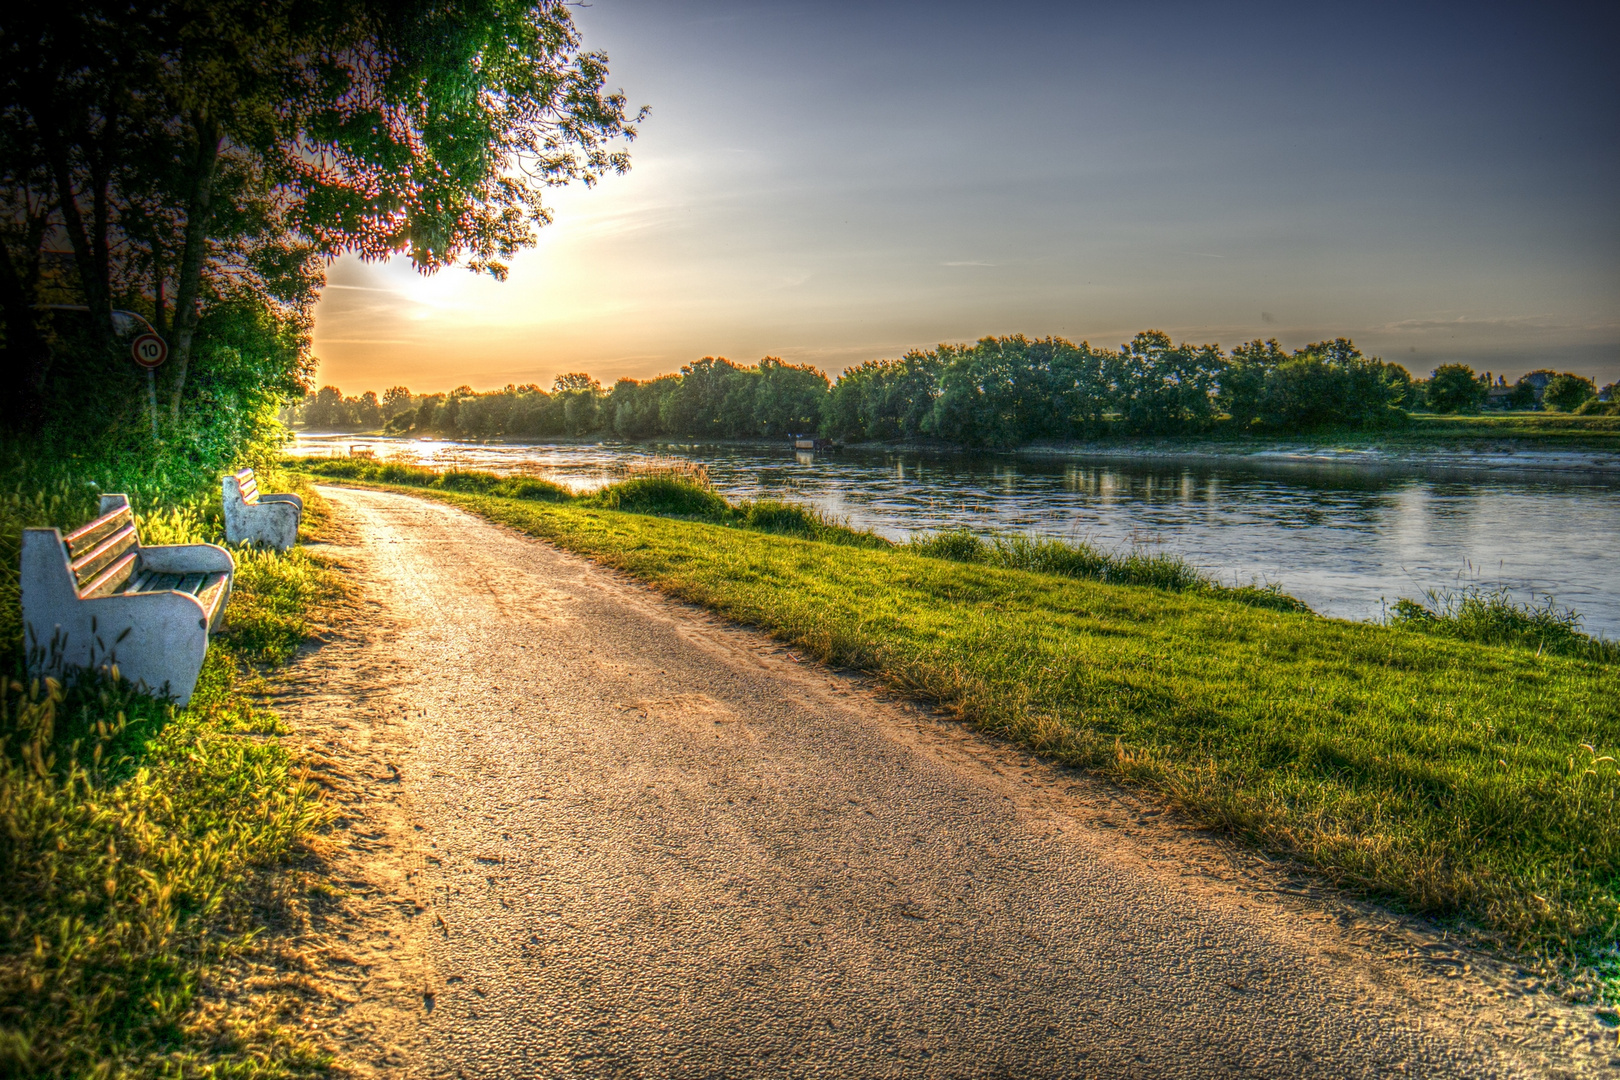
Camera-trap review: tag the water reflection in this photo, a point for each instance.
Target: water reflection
(1344, 538)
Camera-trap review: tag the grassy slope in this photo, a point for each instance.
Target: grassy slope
(137, 838)
(1447, 776)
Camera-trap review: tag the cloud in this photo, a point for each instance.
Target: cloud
(365, 341)
(967, 262)
(1502, 323)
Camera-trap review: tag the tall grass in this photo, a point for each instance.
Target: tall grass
(1493, 617)
(1090, 563)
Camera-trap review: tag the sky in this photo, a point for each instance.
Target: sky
(832, 183)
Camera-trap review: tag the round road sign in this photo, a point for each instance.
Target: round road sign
(149, 350)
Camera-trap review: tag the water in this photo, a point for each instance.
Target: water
(1344, 538)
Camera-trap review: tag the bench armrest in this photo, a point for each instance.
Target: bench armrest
(286, 498)
(187, 559)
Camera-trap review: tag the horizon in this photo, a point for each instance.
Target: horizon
(1435, 186)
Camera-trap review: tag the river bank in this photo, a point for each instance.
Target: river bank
(1348, 537)
(1449, 777)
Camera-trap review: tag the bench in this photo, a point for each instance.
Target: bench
(255, 518)
(96, 597)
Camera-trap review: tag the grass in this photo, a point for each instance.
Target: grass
(1465, 780)
(1493, 617)
(1554, 429)
(139, 837)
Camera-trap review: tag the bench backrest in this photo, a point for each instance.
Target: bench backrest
(248, 485)
(103, 553)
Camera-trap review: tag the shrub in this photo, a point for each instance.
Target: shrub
(1493, 617)
(1568, 392)
(666, 496)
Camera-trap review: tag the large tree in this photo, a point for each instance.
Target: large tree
(170, 157)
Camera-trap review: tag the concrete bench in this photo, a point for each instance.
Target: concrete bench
(97, 597)
(255, 518)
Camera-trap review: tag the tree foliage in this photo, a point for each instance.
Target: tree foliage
(1001, 391)
(1568, 392)
(1455, 388)
(180, 159)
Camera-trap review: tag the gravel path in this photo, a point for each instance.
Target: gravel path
(656, 845)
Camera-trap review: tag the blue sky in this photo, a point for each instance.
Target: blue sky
(831, 183)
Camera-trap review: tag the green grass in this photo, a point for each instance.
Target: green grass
(1555, 429)
(1493, 617)
(138, 837)
(1469, 781)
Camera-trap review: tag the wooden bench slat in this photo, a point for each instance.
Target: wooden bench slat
(94, 561)
(212, 594)
(87, 536)
(159, 582)
(112, 579)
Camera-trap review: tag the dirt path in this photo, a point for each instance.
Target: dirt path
(654, 845)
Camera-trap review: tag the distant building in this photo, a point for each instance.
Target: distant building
(1538, 381)
(1499, 396)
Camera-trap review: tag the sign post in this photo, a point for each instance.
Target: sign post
(150, 351)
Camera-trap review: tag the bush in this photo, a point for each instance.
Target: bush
(665, 496)
(1568, 392)
(1454, 388)
(1493, 617)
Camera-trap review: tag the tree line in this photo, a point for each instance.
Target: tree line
(1001, 391)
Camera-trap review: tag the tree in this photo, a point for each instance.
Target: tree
(1568, 392)
(788, 398)
(1455, 388)
(1243, 383)
(577, 380)
(395, 400)
(1165, 388)
(194, 154)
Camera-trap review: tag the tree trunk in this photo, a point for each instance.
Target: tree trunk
(194, 255)
(92, 271)
(160, 303)
(25, 351)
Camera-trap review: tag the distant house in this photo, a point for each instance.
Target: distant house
(1538, 381)
(1499, 396)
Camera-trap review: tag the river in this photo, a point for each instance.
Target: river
(1345, 537)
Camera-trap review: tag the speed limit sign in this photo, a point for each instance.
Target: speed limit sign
(149, 351)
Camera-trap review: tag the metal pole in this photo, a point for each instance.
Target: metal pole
(151, 399)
